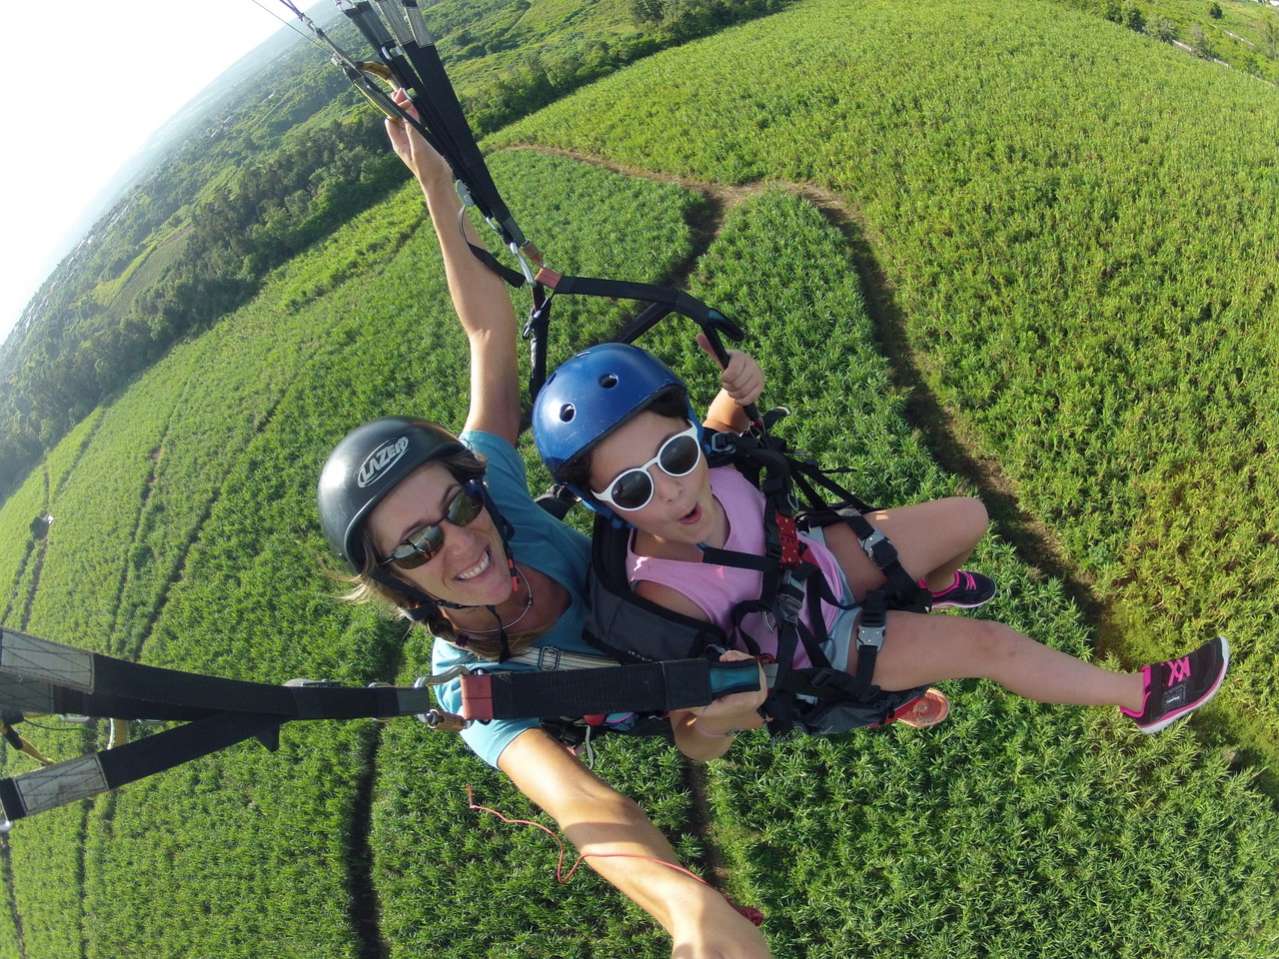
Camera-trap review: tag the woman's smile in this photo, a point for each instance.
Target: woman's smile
(481, 567)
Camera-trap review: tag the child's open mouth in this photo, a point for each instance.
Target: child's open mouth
(692, 516)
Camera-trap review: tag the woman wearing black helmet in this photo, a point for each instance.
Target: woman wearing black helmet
(443, 528)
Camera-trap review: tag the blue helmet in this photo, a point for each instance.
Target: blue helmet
(590, 395)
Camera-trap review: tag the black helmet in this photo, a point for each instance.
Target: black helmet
(368, 463)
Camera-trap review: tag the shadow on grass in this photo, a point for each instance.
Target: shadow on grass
(1034, 542)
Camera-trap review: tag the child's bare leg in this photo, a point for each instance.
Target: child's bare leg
(919, 650)
(933, 540)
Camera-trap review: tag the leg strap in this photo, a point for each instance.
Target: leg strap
(871, 627)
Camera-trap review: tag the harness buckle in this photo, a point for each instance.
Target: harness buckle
(722, 442)
(789, 601)
(548, 654)
(870, 542)
(872, 636)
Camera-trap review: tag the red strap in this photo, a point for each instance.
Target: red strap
(477, 696)
(792, 549)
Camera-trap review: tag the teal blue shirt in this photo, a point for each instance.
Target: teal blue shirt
(542, 542)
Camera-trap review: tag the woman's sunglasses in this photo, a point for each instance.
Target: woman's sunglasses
(632, 489)
(421, 545)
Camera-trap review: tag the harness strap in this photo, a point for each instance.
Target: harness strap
(871, 627)
(86, 776)
(40, 676)
(646, 688)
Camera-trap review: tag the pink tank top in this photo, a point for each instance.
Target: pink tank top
(717, 589)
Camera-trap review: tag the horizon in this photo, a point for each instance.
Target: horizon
(48, 192)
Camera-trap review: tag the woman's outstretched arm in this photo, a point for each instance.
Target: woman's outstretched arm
(600, 821)
(479, 295)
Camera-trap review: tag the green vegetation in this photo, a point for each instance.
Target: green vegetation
(1014, 829)
(1088, 291)
(273, 157)
(1087, 280)
(15, 533)
(1242, 34)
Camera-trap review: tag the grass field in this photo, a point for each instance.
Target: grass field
(1084, 264)
(1034, 264)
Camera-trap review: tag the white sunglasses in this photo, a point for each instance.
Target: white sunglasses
(632, 489)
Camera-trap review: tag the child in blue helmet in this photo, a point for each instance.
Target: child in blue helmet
(614, 424)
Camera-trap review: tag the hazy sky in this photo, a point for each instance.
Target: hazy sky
(90, 80)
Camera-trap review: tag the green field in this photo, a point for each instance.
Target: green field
(1085, 270)
(1084, 282)
(1244, 37)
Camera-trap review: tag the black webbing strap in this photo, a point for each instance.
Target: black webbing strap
(470, 166)
(826, 684)
(661, 301)
(535, 331)
(646, 688)
(871, 626)
(169, 687)
(736, 558)
(416, 66)
(39, 676)
(86, 776)
(906, 593)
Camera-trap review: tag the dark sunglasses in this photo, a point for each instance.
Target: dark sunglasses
(632, 489)
(421, 545)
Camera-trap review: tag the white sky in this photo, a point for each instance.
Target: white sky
(90, 81)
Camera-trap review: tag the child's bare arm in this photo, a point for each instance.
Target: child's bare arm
(741, 383)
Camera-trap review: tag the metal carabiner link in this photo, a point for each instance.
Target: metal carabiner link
(439, 679)
(518, 253)
(438, 719)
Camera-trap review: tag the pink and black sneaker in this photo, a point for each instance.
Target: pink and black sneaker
(1180, 686)
(966, 591)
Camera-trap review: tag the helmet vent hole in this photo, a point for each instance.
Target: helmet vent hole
(608, 380)
(567, 412)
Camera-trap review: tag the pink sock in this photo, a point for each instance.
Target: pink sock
(1145, 695)
(941, 592)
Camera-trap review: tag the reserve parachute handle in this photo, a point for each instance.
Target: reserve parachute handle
(39, 677)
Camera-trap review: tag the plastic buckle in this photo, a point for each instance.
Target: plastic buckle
(872, 636)
(870, 542)
(789, 602)
(722, 442)
(548, 654)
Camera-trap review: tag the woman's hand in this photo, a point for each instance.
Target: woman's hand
(741, 379)
(422, 159)
(718, 932)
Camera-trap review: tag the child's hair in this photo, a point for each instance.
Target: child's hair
(672, 402)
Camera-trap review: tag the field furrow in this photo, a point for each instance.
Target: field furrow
(1082, 249)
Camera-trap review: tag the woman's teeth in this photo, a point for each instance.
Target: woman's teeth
(485, 561)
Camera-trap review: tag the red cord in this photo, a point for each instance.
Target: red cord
(750, 912)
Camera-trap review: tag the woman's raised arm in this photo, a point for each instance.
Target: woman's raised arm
(479, 296)
(602, 823)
